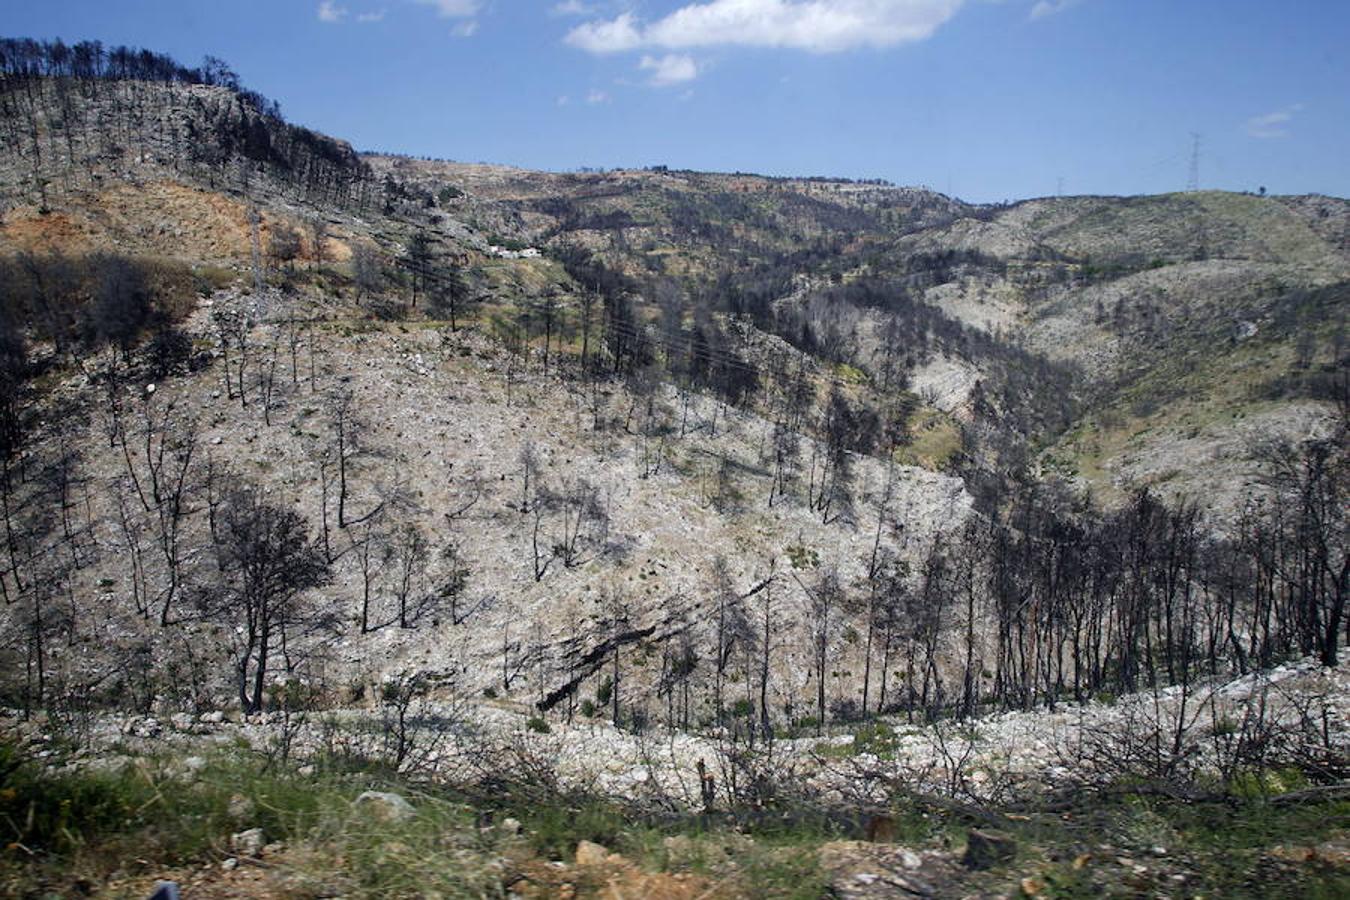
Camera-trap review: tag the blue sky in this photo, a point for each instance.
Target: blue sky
(985, 99)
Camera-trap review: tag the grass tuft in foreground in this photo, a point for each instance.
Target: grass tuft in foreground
(116, 829)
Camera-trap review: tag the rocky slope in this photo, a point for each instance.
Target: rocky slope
(1119, 341)
(1177, 315)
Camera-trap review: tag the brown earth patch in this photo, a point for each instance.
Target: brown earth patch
(614, 879)
(158, 218)
(25, 228)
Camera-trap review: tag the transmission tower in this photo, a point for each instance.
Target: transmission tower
(1193, 182)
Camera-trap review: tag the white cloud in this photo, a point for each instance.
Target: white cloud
(597, 96)
(818, 26)
(1045, 8)
(453, 9)
(572, 8)
(465, 29)
(673, 68)
(606, 37)
(330, 13)
(1273, 124)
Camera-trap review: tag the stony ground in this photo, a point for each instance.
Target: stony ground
(999, 757)
(443, 418)
(970, 838)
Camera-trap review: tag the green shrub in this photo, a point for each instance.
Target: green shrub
(86, 825)
(803, 557)
(876, 738)
(605, 692)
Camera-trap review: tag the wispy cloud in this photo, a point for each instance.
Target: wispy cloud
(607, 37)
(817, 26)
(1044, 8)
(572, 8)
(1273, 124)
(673, 68)
(453, 9)
(330, 13)
(597, 96)
(465, 10)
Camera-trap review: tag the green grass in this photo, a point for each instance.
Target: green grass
(937, 439)
(1219, 849)
(62, 829)
(67, 828)
(1231, 842)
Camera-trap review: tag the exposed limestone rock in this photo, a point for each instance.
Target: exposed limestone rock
(386, 805)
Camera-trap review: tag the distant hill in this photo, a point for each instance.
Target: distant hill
(1130, 341)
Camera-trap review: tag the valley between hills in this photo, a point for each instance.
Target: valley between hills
(383, 526)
